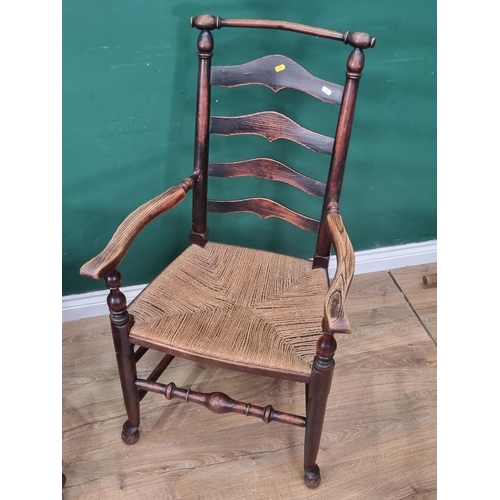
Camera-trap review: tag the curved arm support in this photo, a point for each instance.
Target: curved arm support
(109, 259)
(335, 319)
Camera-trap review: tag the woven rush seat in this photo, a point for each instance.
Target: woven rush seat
(237, 304)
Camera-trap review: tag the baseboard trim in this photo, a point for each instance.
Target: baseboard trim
(384, 259)
(89, 305)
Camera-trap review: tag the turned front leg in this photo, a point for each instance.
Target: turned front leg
(121, 322)
(319, 389)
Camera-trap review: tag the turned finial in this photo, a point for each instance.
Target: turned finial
(117, 302)
(359, 40)
(205, 42)
(205, 22)
(113, 280)
(326, 345)
(356, 61)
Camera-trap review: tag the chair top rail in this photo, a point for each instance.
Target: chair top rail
(356, 39)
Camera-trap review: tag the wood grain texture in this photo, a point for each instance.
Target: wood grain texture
(205, 45)
(114, 252)
(379, 437)
(264, 207)
(272, 126)
(277, 72)
(357, 39)
(157, 372)
(421, 297)
(341, 146)
(336, 320)
(220, 403)
(267, 168)
(281, 25)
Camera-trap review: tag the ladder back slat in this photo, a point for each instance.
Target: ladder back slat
(267, 168)
(264, 208)
(277, 72)
(272, 126)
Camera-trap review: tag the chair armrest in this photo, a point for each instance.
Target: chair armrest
(335, 320)
(109, 259)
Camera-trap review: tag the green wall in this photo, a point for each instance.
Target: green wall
(129, 87)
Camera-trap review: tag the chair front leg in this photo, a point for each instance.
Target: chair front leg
(121, 323)
(319, 389)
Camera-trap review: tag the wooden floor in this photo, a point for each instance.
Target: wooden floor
(379, 438)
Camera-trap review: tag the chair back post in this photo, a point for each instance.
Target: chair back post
(205, 23)
(355, 64)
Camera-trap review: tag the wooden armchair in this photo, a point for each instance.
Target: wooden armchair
(276, 315)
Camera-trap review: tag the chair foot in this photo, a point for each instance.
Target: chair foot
(312, 478)
(130, 434)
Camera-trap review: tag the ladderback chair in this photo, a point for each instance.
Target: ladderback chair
(234, 307)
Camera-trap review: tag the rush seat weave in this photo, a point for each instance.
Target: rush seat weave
(236, 304)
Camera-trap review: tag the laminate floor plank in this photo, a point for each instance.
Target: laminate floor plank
(423, 298)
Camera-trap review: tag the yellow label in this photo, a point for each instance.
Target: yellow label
(279, 68)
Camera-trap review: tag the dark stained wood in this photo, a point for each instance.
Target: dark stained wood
(267, 168)
(355, 65)
(199, 233)
(139, 353)
(321, 261)
(205, 22)
(356, 39)
(264, 207)
(157, 372)
(272, 126)
(218, 402)
(277, 72)
(319, 388)
(121, 322)
(114, 252)
(360, 40)
(281, 25)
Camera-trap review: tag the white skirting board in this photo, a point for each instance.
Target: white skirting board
(88, 305)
